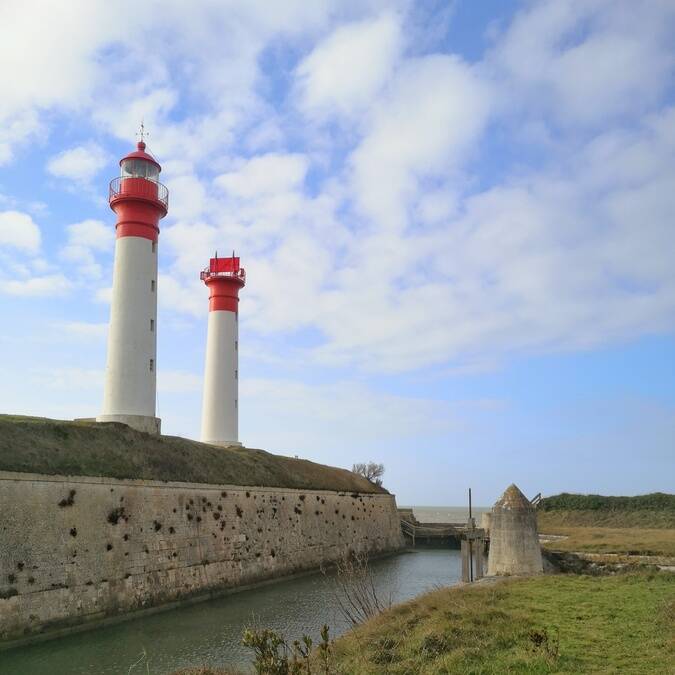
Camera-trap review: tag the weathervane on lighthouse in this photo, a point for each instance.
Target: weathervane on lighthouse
(142, 133)
(139, 201)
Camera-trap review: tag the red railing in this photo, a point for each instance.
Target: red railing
(238, 274)
(139, 187)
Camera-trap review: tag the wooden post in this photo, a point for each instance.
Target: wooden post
(470, 541)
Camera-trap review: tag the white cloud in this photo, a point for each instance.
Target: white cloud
(586, 63)
(191, 298)
(19, 231)
(84, 239)
(79, 164)
(94, 234)
(103, 295)
(345, 71)
(83, 329)
(70, 378)
(46, 286)
(188, 197)
(402, 252)
(177, 382)
(57, 68)
(435, 110)
(16, 129)
(265, 175)
(320, 418)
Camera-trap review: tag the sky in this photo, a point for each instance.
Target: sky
(456, 220)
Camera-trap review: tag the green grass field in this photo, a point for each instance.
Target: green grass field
(55, 447)
(618, 527)
(553, 624)
(566, 501)
(622, 624)
(655, 519)
(624, 541)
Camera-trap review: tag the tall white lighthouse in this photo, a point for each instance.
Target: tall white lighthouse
(220, 407)
(139, 200)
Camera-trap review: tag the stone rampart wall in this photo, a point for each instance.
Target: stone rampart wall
(77, 549)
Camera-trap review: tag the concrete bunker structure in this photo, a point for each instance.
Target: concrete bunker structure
(514, 542)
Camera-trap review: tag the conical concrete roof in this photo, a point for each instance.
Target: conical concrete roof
(513, 500)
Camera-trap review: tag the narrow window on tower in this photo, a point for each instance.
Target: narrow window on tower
(154, 246)
(236, 374)
(235, 403)
(152, 286)
(152, 325)
(152, 365)
(236, 345)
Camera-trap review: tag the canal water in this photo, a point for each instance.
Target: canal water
(209, 633)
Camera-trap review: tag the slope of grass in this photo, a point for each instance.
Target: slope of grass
(607, 518)
(553, 624)
(54, 447)
(624, 540)
(656, 501)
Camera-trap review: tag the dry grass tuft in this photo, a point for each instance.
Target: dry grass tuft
(636, 541)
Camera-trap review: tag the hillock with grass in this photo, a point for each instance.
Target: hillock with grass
(551, 624)
(643, 525)
(547, 624)
(112, 450)
(655, 510)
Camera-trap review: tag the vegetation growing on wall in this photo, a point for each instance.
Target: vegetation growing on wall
(112, 450)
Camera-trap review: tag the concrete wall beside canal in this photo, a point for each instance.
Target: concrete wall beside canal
(75, 550)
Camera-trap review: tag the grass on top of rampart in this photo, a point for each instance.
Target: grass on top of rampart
(111, 450)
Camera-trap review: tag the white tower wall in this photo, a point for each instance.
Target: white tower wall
(131, 370)
(221, 383)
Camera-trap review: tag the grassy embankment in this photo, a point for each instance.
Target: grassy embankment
(551, 624)
(55, 447)
(643, 525)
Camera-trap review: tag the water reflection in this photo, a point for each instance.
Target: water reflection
(209, 633)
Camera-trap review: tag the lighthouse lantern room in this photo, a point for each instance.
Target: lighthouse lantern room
(139, 201)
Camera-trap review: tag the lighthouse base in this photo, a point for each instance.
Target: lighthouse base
(150, 425)
(222, 444)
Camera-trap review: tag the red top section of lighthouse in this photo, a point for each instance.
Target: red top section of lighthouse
(224, 277)
(140, 153)
(137, 196)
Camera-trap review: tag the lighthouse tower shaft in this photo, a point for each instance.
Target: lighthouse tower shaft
(139, 201)
(220, 406)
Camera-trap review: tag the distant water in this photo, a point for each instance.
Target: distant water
(446, 514)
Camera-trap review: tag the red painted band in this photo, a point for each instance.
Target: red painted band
(222, 303)
(223, 293)
(137, 217)
(145, 230)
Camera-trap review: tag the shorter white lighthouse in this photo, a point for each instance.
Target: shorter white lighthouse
(220, 407)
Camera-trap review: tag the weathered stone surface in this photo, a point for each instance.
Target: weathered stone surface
(78, 549)
(514, 542)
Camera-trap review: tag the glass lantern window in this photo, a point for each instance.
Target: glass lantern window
(139, 168)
